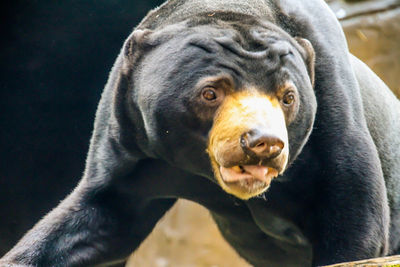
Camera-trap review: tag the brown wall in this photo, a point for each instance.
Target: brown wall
(372, 29)
(186, 237)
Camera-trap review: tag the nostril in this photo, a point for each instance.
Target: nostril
(259, 148)
(261, 144)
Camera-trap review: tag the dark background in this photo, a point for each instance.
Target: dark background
(54, 62)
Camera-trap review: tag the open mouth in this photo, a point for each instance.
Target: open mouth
(248, 178)
(248, 172)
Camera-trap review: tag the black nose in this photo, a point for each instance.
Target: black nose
(261, 143)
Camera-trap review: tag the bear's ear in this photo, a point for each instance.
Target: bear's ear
(308, 55)
(135, 42)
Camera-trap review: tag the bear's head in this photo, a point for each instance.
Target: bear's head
(234, 96)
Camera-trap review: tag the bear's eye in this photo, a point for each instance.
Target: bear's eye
(288, 98)
(209, 94)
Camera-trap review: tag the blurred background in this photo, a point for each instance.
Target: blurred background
(55, 57)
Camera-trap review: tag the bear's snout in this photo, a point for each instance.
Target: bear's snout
(248, 143)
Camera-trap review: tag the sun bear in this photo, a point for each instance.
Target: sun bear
(257, 111)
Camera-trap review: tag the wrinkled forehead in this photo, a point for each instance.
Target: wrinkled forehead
(253, 54)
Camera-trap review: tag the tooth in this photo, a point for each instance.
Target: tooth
(273, 172)
(237, 168)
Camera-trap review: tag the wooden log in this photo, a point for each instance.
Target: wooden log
(392, 261)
